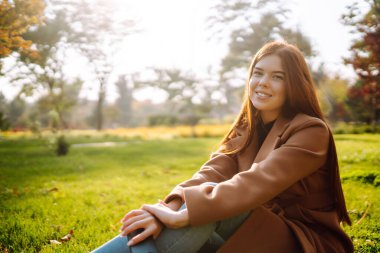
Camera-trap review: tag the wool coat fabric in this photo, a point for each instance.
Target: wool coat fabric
(284, 185)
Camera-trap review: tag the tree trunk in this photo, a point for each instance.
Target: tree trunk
(99, 108)
(374, 108)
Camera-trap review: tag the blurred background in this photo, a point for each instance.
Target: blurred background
(114, 64)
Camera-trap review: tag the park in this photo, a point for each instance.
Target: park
(101, 115)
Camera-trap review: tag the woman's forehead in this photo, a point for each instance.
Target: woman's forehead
(270, 63)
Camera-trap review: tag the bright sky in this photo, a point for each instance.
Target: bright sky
(174, 35)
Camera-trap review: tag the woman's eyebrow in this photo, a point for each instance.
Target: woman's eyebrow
(276, 71)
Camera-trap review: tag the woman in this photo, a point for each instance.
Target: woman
(272, 186)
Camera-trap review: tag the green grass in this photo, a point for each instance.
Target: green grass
(43, 197)
(359, 157)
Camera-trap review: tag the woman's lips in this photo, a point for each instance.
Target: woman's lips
(262, 94)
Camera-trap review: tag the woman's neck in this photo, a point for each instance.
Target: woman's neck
(268, 117)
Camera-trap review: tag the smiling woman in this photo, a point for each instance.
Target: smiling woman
(272, 186)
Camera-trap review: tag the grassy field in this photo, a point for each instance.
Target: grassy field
(43, 197)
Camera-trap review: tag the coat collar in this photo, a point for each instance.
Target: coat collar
(272, 138)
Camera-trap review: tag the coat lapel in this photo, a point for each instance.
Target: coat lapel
(272, 139)
(248, 155)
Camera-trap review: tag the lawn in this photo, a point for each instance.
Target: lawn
(43, 197)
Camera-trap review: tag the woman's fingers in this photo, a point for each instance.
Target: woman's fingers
(133, 219)
(163, 203)
(132, 213)
(145, 221)
(132, 227)
(140, 219)
(141, 237)
(157, 209)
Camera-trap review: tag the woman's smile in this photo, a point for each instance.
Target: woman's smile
(262, 95)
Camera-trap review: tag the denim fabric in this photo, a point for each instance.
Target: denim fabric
(192, 239)
(119, 245)
(116, 245)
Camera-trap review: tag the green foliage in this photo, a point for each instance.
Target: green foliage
(166, 120)
(124, 102)
(364, 97)
(16, 17)
(43, 197)
(4, 123)
(364, 176)
(354, 128)
(332, 94)
(62, 146)
(187, 95)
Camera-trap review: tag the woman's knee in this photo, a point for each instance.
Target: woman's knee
(187, 239)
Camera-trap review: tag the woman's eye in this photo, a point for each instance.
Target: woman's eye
(278, 77)
(257, 73)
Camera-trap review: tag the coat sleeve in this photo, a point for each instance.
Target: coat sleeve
(219, 168)
(303, 152)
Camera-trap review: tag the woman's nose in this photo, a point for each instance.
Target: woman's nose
(263, 81)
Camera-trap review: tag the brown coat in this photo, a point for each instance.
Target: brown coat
(284, 184)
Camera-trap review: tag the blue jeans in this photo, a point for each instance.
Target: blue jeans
(206, 238)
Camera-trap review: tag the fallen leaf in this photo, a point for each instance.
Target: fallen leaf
(54, 189)
(67, 237)
(15, 192)
(55, 242)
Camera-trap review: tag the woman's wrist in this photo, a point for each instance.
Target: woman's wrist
(184, 220)
(175, 204)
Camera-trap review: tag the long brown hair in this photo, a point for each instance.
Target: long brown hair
(300, 98)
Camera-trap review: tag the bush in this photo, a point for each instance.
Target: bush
(62, 146)
(353, 128)
(363, 176)
(4, 123)
(166, 120)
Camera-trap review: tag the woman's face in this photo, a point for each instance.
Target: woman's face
(267, 87)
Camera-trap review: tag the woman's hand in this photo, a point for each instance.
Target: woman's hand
(171, 219)
(137, 219)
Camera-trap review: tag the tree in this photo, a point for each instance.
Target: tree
(16, 109)
(4, 123)
(46, 71)
(332, 94)
(359, 99)
(56, 106)
(97, 39)
(249, 26)
(187, 96)
(365, 59)
(124, 102)
(16, 17)
(71, 25)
